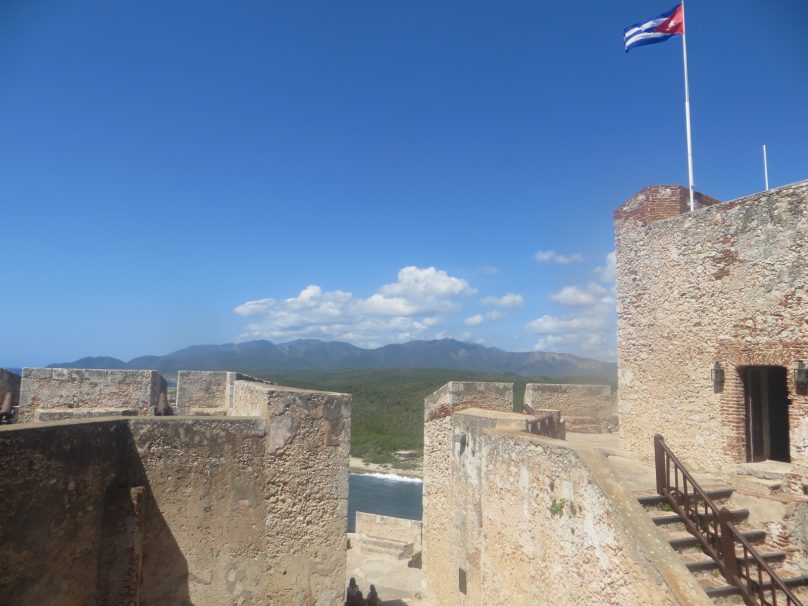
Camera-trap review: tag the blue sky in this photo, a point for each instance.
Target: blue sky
(176, 173)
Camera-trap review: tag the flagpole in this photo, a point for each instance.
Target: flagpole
(687, 114)
(765, 168)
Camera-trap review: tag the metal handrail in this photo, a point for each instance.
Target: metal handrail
(754, 591)
(697, 510)
(717, 534)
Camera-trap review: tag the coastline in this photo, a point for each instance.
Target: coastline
(358, 465)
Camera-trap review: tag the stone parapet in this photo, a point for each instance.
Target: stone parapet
(207, 392)
(179, 510)
(48, 393)
(584, 408)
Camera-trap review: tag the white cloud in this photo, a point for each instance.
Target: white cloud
(509, 300)
(399, 311)
(590, 331)
(428, 284)
(494, 315)
(559, 325)
(577, 296)
(607, 272)
(474, 320)
(551, 256)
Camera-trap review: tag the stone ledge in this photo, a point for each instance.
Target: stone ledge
(58, 414)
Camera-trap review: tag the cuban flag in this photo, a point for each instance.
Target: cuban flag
(658, 29)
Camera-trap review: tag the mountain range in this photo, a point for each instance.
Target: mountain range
(313, 354)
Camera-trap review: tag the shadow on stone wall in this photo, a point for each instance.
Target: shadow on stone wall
(79, 523)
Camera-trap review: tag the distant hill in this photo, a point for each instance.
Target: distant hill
(311, 354)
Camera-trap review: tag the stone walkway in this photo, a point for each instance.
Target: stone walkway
(396, 583)
(635, 475)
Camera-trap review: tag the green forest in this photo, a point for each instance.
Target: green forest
(388, 404)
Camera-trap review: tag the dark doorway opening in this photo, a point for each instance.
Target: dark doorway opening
(766, 398)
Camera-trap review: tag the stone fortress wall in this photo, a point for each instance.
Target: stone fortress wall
(725, 284)
(515, 518)
(247, 509)
(584, 408)
(49, 394)
(438, 516)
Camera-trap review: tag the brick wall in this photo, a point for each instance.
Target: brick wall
(658, 202)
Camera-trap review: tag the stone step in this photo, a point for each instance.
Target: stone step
(716, 493)
(723, 590)
(706, 563)
(682, 542)
(674, 518)
(399, 550)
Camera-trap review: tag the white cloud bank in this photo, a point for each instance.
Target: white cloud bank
(399, 311)
(578, 296)
(590, 329)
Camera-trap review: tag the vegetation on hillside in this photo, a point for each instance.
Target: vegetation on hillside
(388, 404)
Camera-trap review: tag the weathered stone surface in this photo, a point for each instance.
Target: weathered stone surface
(438, 506)
(397, 529)
(181, 510)
(68, 392)
(556, 527)
(724, 284)
(203, 391)
(585, 408)
(519, 519)
(52, 490)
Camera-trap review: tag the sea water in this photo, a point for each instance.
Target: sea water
(384, 494)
